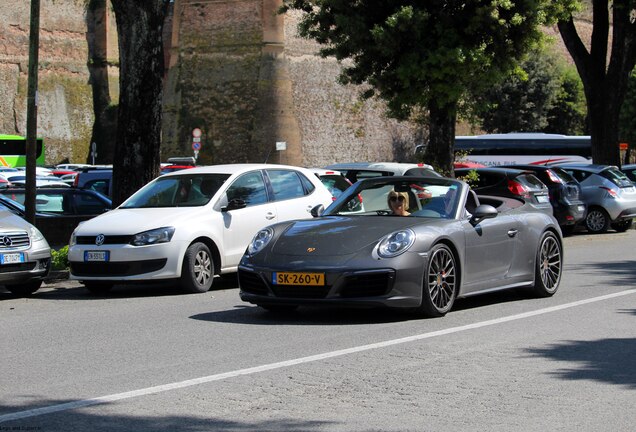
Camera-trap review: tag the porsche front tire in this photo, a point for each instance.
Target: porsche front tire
(441, 282)
(548, 266)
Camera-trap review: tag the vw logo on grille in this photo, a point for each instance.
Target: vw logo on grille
(99, 240)
(6, 241)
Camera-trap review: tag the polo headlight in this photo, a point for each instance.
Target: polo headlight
(260, 240)
(396, 243)
(155, 236)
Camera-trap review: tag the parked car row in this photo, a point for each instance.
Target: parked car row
(595, 196)
(609, 195)
(192, 224)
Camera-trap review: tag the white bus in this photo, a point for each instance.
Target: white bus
(524, 148)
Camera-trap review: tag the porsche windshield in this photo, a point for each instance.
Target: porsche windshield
(177, 191)
(420, 198)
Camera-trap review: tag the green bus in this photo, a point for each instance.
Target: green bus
(13, 151)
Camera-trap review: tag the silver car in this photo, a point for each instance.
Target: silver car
(355, 171)
(25, 255)
(610, 196)
(449, 243)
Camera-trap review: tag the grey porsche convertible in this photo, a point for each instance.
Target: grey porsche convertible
(403, 242)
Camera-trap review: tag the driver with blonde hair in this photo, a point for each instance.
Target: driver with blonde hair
(398, 203)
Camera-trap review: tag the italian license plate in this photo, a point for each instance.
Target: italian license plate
(308, 279)
(12, 258)
(543, 198)
(99, 256)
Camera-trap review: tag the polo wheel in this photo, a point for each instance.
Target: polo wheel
(197, 271)
(441, 282)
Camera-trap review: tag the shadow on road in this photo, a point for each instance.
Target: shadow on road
(606, 360)
(617, 273)
(91, 420)
(250, 314)
(72, 290)
(341, 315)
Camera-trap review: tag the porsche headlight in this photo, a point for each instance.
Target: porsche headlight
(36, 235)
(260, 241)
(159, 235)
(396, 243)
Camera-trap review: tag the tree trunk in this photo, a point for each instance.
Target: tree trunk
(137, 150)
(439, 152)
(603, 113)
(605, 84)
(103, 134)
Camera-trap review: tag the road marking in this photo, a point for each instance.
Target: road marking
(283, 364)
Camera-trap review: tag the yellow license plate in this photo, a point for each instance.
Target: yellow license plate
(309, 279)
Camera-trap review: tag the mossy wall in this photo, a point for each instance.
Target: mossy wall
(64, 97)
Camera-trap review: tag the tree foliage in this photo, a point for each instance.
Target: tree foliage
(545, 95)
(521, 102)
(568, 113)
(422, 55)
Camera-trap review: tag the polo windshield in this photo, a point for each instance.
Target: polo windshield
(177, 191)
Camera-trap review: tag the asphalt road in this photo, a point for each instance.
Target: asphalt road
(151, 359)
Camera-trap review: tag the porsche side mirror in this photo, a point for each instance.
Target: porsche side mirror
(234, 204)
(482, 212)
(318, 210)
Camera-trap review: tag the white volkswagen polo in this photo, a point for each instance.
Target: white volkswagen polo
(190, 225)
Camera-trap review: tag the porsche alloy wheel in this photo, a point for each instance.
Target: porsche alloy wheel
(198, 269)
(549, 266)
(441, 282)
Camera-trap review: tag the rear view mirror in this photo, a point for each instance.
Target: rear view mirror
(234, 204)
(318, 210)
(482, 212)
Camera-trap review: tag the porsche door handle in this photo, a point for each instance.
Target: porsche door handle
(269, 215)
(512, 232)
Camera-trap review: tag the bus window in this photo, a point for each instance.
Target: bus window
(13, 151)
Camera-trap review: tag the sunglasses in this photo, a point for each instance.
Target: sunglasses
(399, 198)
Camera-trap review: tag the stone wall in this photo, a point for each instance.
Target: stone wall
(248, 81)
(336, 125)
(64, 97)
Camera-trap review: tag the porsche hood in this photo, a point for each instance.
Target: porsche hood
(336, 235)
